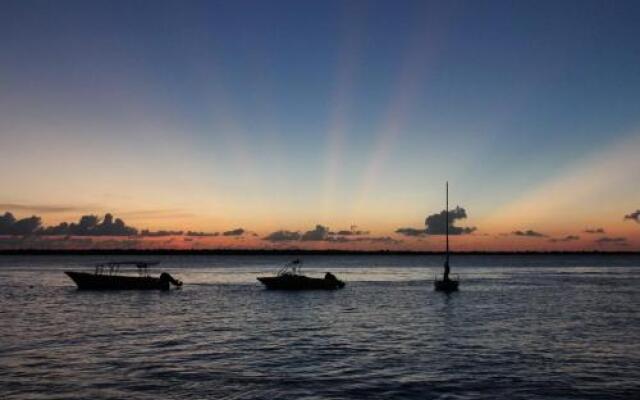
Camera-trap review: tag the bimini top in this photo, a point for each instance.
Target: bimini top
(113, 267)
(291, 268)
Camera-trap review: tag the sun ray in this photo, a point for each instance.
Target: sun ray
(579, 196)
(419, 57)
(342, 100)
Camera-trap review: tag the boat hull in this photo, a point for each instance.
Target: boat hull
(90, 281)
(445, 286)
(299, 282)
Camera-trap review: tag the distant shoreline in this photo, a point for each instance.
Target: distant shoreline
(294, 252)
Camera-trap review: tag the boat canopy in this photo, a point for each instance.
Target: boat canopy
(291, 268)
(113, 267)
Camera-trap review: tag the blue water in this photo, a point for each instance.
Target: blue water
(522, 327)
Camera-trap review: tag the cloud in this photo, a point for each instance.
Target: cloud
(234, 232)
(282, 236)
(6, 222)
(319, 234)
(90, 225)
(635, 216)
(161, 233)
(202, 234)
(594, 231)
(529, 233)
(41, 208)
(568, 238)
(322, 233)
(437, 223)
(353, 231)
(412, 232)
(619, 241)
(9, 225)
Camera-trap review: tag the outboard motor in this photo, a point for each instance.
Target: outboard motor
(166, 278)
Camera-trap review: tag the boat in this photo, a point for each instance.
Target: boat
(290, 278)
(446, 284)
(106, 276)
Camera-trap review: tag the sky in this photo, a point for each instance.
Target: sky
(333, 124)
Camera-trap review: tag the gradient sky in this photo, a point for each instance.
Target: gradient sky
(271, 116)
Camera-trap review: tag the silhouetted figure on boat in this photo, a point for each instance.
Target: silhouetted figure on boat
(447, 269)
(330, 277)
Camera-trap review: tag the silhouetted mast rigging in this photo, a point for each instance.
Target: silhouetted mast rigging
(446, 210)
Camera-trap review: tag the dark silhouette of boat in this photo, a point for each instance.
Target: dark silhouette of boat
(289, 278)
(443, 285)
(107, 277)
(446, 284)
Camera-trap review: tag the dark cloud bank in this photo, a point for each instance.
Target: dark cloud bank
(319, 234)
(618, 241)
(412, 232)
(529, 233)
(353, 231)
(568, 238)
(28, 231)
(634, 216)
(282, 236)
(161, 233)
(234, 232)
(88, 225)
(92, 225)
(436, 224)
(239, 233)
(9, 225)
(323, 234)
(202, 234)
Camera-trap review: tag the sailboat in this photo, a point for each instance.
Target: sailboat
(446, 284)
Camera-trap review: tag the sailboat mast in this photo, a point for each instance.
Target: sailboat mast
(447, 219)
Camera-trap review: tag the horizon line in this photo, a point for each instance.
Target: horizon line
(167, 251)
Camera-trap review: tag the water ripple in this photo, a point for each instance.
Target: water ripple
(514, 332)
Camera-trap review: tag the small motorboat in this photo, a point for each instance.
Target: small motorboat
(107, 277)
(289, 278)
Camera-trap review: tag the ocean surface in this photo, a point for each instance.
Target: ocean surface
(521, 327)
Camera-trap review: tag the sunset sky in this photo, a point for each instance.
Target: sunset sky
(283, 123)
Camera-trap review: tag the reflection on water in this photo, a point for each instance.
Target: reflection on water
(519, 328)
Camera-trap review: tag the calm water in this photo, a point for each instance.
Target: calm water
(521, 327)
